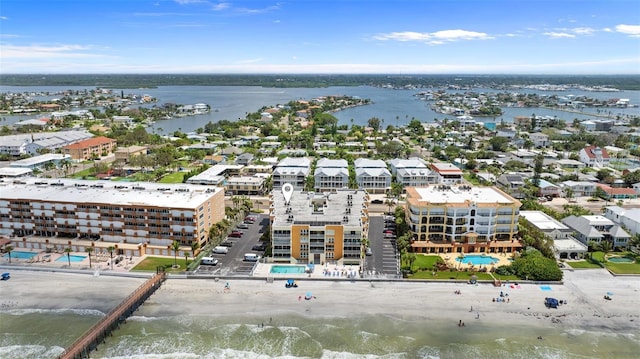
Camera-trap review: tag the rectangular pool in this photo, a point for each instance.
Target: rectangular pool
(20, 255)
(72, 258)
(285, 269)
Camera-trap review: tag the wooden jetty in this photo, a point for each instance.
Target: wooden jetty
(95, 335)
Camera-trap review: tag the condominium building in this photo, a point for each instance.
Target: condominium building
(245, 185)
(462, 219)
(292, 170)
(372, 175)
(105, 213)
(331, 175)
(447, 173)
(93, 147)
(309, 227)
(412, 172)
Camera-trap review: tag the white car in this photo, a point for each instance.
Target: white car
(368, 251)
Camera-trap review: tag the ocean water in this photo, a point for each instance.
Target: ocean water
(29, 334)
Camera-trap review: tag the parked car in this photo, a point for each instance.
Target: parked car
(243, 226)
(259, 247)
(235, 234)
(368, 251)
(209, 261)
(227, 243)
(221, 249)
(250, 219)
(377, 201)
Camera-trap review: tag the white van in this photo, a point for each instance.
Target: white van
(209, 261)
(251, 257)
(221, 250)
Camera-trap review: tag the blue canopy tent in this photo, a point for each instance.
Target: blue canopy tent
(291, 284)
(551, 302)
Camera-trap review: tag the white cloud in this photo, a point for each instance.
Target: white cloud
(631, 30)
(39, 51)
(583, 30)
(4, 18)
(559, 35)
(433, 38)
(221, 6)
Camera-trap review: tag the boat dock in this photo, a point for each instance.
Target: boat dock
(96, 334)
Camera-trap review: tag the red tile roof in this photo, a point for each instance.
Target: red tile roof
(590, 154)
(96, 141)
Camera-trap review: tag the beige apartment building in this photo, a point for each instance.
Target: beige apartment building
(462, 219)
(144, 217)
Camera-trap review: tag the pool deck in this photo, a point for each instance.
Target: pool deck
(99, 261)
(263, 270)
(450, 259)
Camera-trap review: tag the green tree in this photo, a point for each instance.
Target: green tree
(374, 123)
(68, 252)
(532, 265)
(175, 246)
(605, 247)
(537, 170)
(89, 250)
(8, 250)
(111, 249)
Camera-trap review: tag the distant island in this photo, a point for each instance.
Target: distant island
(620, 82)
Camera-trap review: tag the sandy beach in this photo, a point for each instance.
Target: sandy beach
(521, 304)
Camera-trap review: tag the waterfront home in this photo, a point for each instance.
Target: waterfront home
(564, 244)
(612, 193)
(548, 189)
(413, 172)
(372, 175)
(627, 218)
(597, 228)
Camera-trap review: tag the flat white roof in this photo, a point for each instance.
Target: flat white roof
(543, 221)
(108, 192)
(436, 194)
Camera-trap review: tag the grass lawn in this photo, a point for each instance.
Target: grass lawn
(175, 177)
(88, 172)
(617, 268)
(150, 264)
(424, 264)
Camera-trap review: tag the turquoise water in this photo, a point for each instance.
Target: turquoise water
(287, 269)
(20, 255)
(620, 260)
(477, 259)
(72, 258)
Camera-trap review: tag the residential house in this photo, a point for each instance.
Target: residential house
(245, 185)
(540, 140)
(127, 153)
(597, 228)
(447, 173)
(627, 218)
(594, 156)
(513, 184)
(549, 189)
(331, 175)
(372, 175)
(612, 193)
(244, 159)
(573, 189)
(564, 244)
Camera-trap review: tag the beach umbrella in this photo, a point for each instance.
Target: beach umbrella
(308, 296)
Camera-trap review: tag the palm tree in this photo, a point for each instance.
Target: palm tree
(110, 249)
(89, 250)
(605, 246)
(176, 247)
(68, 252)
(194, 247)
(8, 249)
(390, 203)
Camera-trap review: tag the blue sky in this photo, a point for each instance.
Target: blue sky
(314, 36)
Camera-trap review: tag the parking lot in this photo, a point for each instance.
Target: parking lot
(383, 260)
(233, 263)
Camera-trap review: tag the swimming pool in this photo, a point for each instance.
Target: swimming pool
(620, 260)
(284, 269)
(72, 258)
(476, 259)
(20, 255)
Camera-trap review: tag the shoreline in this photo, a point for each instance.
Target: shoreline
(406, 300)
